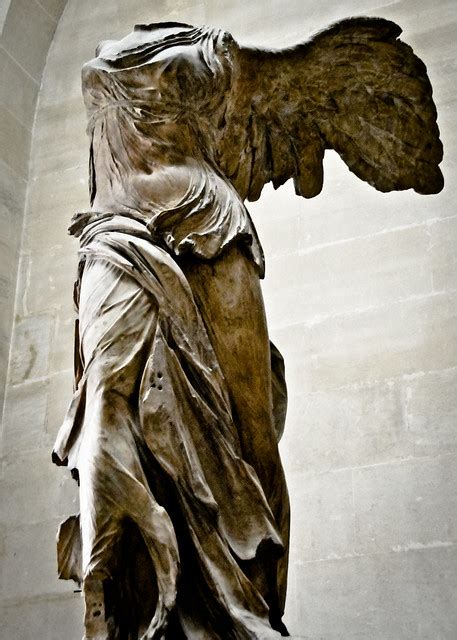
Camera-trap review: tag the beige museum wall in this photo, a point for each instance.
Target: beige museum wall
(361, 297)
(26, 30)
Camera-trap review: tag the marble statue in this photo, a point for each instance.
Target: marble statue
(180, 398)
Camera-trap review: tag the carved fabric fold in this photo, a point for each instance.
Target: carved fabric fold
(156, 399)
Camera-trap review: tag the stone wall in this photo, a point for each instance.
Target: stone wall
(361, 298)
(26, 30)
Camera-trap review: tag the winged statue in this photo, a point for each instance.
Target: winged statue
(180, 398)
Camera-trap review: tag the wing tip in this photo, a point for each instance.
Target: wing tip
(431, 184)
(382, 27)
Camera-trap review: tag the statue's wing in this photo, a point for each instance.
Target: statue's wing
(354, 88)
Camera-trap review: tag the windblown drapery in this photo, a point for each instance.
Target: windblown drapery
(184, 507)
(152, 390)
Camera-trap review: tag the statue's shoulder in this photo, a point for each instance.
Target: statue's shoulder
(149, 44)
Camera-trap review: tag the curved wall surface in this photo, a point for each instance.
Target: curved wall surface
(361, 298)
(26, 30)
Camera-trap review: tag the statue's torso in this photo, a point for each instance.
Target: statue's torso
(150, 156)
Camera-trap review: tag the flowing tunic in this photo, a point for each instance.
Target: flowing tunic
(150, 432)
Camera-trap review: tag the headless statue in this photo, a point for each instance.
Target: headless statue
(180, 399)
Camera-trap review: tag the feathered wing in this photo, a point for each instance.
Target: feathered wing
(354, 88)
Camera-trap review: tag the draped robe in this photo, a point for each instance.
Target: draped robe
(173, 517)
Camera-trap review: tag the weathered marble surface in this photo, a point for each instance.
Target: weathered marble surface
(179, 398)
(392, 408)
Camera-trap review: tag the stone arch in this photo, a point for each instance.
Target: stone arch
(27, 28)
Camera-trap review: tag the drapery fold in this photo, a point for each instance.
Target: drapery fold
(152, 389)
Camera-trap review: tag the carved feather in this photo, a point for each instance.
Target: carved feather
(354, 88)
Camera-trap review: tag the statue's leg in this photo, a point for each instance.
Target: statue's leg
(117, 321)
(101, 528)
(159, 536)
(95, 622)
(113, 488)
(228, 294)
